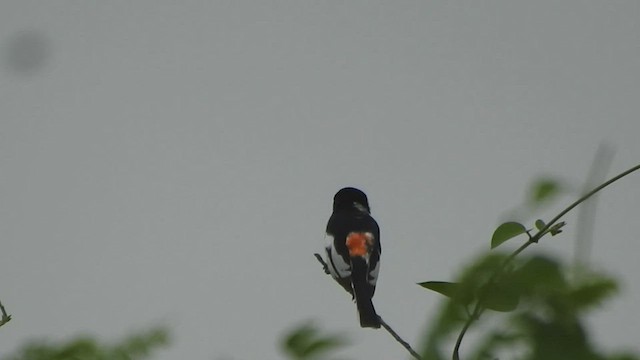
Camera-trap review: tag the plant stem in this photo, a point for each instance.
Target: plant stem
(477, 311)
(540, 233)
(399, 339)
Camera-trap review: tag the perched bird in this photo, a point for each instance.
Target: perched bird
(353, 257)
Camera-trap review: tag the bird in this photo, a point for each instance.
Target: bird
(353, 254)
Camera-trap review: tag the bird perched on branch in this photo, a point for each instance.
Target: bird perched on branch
(353, 257)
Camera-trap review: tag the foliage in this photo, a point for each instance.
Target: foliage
(305, 342)
(136, 346)
(543, 310)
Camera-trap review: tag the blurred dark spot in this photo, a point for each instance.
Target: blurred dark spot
(26, 52)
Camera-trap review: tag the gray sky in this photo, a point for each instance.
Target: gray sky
(174, 162)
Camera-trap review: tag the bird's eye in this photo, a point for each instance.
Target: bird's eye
(359, 206)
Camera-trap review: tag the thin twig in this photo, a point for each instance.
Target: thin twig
(325, 266)
(532, 240)
(582, 199)
(477, 311)
(399, 339)
(382, 322)
(5, 318)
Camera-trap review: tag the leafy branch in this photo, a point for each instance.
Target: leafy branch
(137, 346)
(499, 282)
(506, 232)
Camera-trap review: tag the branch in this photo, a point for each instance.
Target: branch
(540, 233)
(399, 339)
(477, 311)
(5, 318)
(382, 322)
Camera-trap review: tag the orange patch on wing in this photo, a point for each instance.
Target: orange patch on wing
(358, 243)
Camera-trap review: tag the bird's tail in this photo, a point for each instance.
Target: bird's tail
(363, 294)
(368, 316)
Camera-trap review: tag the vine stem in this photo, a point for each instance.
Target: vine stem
(477, 311)
(582, 199)
(382, 322)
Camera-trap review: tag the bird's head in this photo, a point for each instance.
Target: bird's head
(350, 198)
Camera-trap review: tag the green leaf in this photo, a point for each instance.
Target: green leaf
(137, 346)
(501, 296)
(140, 345)
(495, 340)
(455, 291)
(505, 232)
(556, 338)
(306, 342)
(543, 190)
(593, 292)
(540, 224)
(442, 287)
(539, 276)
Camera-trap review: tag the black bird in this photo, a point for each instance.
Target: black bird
(353, 257)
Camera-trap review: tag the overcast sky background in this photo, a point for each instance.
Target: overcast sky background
(174, 162)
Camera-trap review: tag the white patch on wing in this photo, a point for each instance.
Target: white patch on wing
(338, 268)
(373, 274)
(329, 239)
